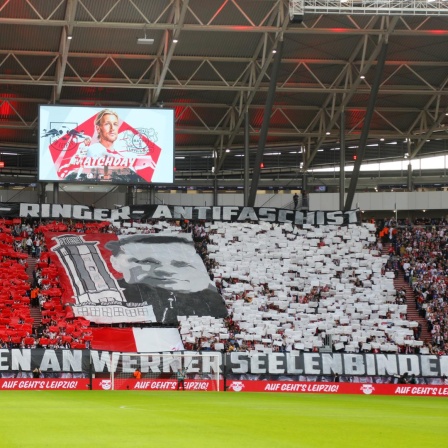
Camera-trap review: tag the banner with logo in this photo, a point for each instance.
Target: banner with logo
(338, 388)
(156, 384)
(44, 384)
(151, 278)
(231, 386)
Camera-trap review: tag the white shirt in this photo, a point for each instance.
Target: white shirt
(97, 150)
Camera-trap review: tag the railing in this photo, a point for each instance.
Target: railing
(369, 7)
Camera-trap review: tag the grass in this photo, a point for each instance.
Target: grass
(98, 419)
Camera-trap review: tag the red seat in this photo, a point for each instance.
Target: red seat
(44, 341)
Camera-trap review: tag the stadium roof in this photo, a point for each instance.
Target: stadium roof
(212, 60)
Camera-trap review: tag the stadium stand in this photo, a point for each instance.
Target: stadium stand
(422, 254)
(286, 288)
(302, 289)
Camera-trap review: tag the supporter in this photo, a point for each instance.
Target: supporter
(424, 265)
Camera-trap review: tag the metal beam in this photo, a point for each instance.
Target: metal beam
(172, 46)
(265, 126)
(369, 7)
(255, 89)
(229, 59)
(219, 28)
(64, 46)
(246, 158)
(365, 130)
(342, 162)
(422, 138)
(215, 87)
(246, 78)
(354, 88)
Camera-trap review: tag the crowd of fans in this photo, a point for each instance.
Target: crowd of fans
(40, 289)
(419, 252)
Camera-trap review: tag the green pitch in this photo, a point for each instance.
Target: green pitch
(97, 419)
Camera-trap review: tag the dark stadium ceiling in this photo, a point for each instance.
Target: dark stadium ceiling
(211, 60)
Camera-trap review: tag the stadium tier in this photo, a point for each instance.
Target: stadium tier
(256, 288)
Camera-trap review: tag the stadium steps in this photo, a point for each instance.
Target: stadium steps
(31, 262)
(412, 313)
(35, 312)
(36, 315)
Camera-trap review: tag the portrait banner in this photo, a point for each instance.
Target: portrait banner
(128, 279)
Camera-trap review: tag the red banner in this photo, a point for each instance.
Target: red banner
(154, 384)
(44, 384)
(232, 386)
(338, 388)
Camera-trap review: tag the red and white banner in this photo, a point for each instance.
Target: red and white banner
(232, 386)
(130, 278)
(154, 384)
(338, 388)
(141, 340)
(44, 383)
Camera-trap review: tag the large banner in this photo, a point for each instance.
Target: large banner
(135, 278)
(205, 213)
(44, 384)
(94, 145)
(232, 386)
(286, 366)
(338, 388)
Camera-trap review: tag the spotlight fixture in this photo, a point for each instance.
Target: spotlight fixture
(145, 40)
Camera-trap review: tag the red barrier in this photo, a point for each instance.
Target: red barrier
(44, 384)
(232, 386)
(154, 384)
(338, 388)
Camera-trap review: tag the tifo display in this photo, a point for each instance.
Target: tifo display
(260, 301)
